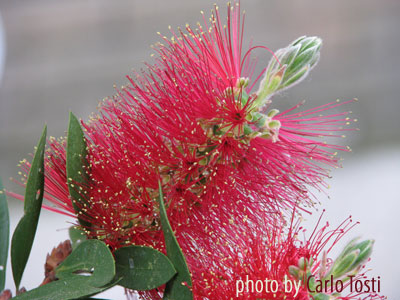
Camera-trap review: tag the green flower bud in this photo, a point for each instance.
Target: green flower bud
(365, 248)
(274, 124)
(289, 66)
(350, 261)
(258, 118)
(272, 113)
(344, 265)
(349, 247)
(306, 56)
(266, 135)
(242, 82)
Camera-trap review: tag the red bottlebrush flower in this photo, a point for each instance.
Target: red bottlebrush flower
(56, 188)
(189, 120)
(193, 121)
(229, 170)
(228, 265)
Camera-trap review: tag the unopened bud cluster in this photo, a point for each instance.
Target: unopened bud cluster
(347, 265)
(289, 66)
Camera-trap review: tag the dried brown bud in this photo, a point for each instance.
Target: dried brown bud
(21, 291)
(5, 295)
(54, 259)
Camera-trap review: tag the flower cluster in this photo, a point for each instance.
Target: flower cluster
(257, 265)
(233, 168)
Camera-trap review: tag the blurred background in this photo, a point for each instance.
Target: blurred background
(57, 56)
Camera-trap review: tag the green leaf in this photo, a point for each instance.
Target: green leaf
(90, 256)
(4, 236)
(71, 288)
(76, 236)
(25, 231)
(77, 166)
(178, 287)
(142, 268)
(88, 270)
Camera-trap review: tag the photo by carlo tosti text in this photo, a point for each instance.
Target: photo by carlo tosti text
(353, 284)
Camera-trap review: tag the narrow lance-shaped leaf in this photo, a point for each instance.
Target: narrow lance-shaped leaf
(179, 287)
(77, 166)
(142, 268)
(88, 270)
(25, 231)
(4, 236)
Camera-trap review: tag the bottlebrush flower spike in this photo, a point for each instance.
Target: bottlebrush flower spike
(230, 266)
(190, 120)
(231, 165)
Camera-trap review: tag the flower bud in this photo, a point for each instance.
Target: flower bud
(343, 265)
(272, 113)
(242, 82)
(274, 124)
(289, 66)
(352, 258)
(365, 248)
